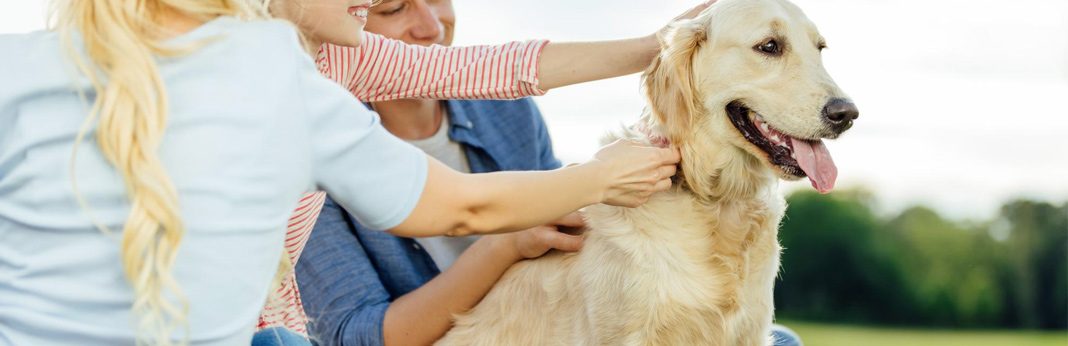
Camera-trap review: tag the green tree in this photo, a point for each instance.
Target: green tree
(833, 265)
(1038, 241)
(843, 263)
(949, 270)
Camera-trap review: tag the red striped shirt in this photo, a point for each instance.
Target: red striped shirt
(383, 69)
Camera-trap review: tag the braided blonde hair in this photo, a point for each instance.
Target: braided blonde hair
(122, 38)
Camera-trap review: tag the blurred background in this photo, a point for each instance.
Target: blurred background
(950, 223)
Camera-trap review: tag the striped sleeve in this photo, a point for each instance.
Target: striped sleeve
(384, 69)
(284, 307)
(301, 223)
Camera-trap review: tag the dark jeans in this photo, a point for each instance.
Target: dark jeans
(278, 336)
(783, 336)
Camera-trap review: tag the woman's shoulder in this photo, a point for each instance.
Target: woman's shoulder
(259, 30)
(269, 38)
(23, 41)
(264, 55)
(30, 62)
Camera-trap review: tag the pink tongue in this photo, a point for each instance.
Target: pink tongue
(815, 160)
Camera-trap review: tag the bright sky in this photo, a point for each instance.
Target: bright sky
(964, 103)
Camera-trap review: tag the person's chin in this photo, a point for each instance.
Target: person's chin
(356, 41)
(348, 40)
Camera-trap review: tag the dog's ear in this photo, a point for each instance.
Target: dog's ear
(673, 97)
(669, 81)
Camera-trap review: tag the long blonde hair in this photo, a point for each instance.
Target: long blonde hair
(122, 38)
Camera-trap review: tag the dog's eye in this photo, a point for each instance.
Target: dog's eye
(771, 47)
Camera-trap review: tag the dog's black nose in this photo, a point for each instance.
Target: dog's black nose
(840, 113)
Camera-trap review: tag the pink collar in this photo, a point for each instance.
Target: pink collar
(655, 138)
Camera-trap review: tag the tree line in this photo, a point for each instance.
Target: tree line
(844, 263)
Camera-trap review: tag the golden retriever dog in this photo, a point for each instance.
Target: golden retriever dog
(742, 91)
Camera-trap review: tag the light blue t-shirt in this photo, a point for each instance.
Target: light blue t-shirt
(252, 126)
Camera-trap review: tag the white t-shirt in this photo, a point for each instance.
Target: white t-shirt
(253, 125)
(445, 250)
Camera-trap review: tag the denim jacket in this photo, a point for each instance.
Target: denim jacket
(349, 274)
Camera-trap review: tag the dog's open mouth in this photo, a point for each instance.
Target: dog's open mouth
(796, 157)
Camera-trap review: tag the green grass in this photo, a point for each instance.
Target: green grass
(817, 334)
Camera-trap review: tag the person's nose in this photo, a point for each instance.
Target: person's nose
(427, 26)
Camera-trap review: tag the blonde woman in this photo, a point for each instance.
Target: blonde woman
(150, 151)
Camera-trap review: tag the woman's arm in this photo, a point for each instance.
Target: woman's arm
(389, 184)
(564, 64)
(569, 63)
(424, 315)
(455, 204)
(383, 69)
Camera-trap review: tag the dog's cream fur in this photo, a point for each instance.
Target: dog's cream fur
(695, 265)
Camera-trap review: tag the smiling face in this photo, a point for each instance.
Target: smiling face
(422, 22)
(749, 76)
(339, 22)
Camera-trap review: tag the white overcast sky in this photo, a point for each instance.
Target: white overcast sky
(964, 103)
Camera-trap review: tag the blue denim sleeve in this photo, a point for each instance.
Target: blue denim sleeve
(343, 297)
(547, 158)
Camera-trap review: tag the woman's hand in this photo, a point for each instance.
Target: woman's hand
(462, 285)
(535, 242)
(632, 172)
(690, 14)
(655, 39)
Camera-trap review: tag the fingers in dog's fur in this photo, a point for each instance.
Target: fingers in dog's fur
(574, 219)
(565, 242)
(663, 185)
(667, 171)
(668, 155)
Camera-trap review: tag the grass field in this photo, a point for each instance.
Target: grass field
(816, 334)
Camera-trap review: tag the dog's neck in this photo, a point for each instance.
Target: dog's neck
(740, 200)
(731, 175)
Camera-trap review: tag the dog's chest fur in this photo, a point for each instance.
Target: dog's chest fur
(674, 271)
(690, 271)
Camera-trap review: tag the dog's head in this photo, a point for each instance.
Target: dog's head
(742, 90)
